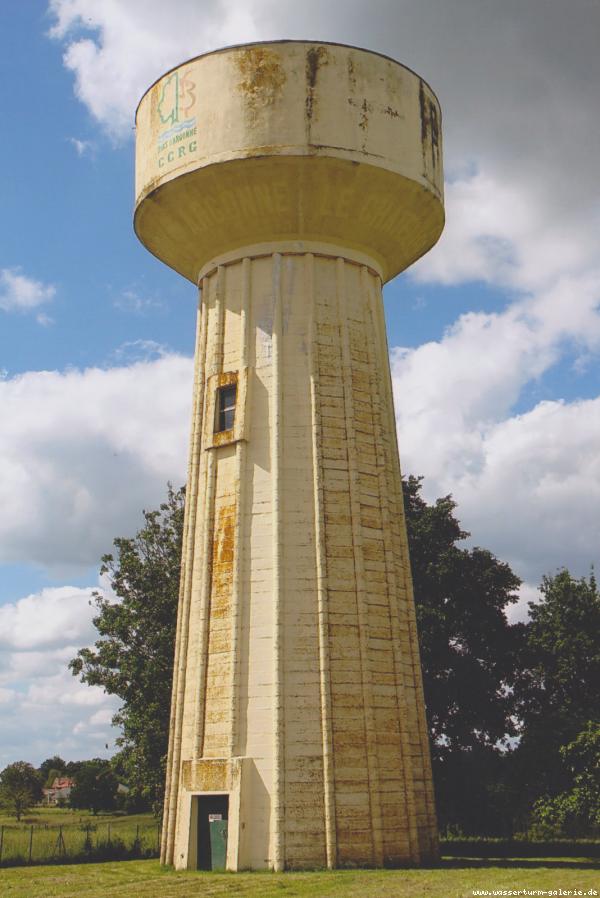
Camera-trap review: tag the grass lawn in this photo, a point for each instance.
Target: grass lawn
(59, 831)
(146, 879)
(48, 816)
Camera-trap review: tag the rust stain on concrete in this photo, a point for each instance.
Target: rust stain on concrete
(430, 132)
(315, 58)
(262, 75)
(223, 540)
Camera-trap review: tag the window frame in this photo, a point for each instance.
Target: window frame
(211, 436)
(222, 409)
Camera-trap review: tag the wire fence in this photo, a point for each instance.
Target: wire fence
(70, 843)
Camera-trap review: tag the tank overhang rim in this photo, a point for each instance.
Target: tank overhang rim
(158, 187)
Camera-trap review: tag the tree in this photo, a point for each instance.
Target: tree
(20, 787)
(467, 645)
(133, 658)
(468, 653)
(557, 684)
(576, 811)
(50, 766)
(95, 788)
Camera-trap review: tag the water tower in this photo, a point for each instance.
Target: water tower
(290, 180)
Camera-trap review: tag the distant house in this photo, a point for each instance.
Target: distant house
(59, 791)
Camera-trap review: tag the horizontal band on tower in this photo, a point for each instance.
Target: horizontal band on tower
(291, 248)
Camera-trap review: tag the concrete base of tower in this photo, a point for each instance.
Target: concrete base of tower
(225, 822)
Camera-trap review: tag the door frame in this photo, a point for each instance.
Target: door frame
(193, 840)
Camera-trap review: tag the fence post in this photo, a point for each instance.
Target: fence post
(1, 841)
(108, 834)
(30, 842)
(158, 838)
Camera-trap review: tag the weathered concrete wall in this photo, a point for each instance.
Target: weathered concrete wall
(309, 174)
(289, 140)
(302, 652)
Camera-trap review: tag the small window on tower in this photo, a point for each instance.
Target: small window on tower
(225, 407)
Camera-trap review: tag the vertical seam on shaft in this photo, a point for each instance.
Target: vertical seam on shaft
(354, 484)
(208, 534)
(239, 532)
(385, 494)
(278, 686)
(322, 591)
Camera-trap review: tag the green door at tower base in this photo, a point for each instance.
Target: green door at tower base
(218, 844)
(211, 812)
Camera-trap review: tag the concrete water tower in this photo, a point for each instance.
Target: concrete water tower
(290, 180)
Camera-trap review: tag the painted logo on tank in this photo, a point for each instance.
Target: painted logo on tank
(176, 100)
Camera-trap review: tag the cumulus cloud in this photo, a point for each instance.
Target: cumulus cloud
(20, 293)
(528, 485)
(115, 50)
(82, 452)
(42, 706)
(46, 619)
(503, 233)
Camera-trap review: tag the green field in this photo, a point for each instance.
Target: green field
(53, 833)
(146, 879)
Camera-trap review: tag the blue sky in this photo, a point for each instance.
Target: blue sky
(494, 336)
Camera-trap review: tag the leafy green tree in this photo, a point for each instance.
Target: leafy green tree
(557, 684)
(54, 765)
(467, 645)
(95, 787)
(133, 658)
(468, 653)
(576, 811)
(20, 787)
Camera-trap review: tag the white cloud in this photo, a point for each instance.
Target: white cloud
(21, 293)
(537, 495)
(44, 710)
(131, 301)
(101, 717)
(139, 351)
(82, 452)
(96, 724)
(506, 233)
(82, 147)
(527, 486)
(520, 610)
(53, 617)
(115, 49)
